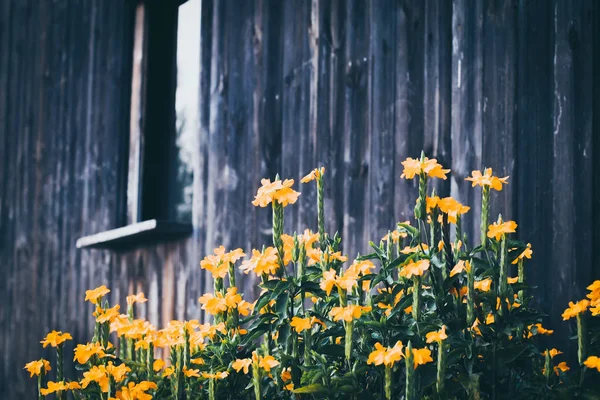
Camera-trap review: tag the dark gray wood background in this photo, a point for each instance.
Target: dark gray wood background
(353, 85)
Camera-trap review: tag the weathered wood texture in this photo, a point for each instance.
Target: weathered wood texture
(286, 86)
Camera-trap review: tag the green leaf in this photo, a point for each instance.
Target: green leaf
(314, 388)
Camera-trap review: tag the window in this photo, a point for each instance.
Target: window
(163, 125)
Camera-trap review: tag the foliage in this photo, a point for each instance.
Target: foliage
(427, 314)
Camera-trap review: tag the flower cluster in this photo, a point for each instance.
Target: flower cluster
(428, 313)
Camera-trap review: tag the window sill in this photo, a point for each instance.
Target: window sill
(135, 235)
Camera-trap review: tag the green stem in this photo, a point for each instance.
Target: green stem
(256, 380)
(321, 212)
(60, 374)
(39, 382)
(547, 367)
(581, 343)
(416, 310)
(471, 295)
(474, 388)
(348, 343)
(410, 374)
(485, 210)
(441, 368)
(521, 279)
(503, 278)
(388, 382)
(211, 389)
(277, 232)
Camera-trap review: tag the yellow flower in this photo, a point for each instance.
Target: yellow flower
(386, 355)
(136, 298)
(497, 229)
(539, 329)
(396, 236)
(437, 336)
(453, 208)
(561, 367)
(197, 361)
(328, 281)
(490, 319)
(56, 338)
(168, 372)
(277, 190)
(95, 295)
(575, 309)
(107, 315)
(262, 263)
(218, 263)
(553, 353)
(421, 356)
(195, 373)
(416, 249)
(245, 308)
(484, 285)
(98, 375)
(286, 375)
(267, 362)
(513, 280)
(524, 254)
(414, 268)
(35, 367)
(135, 391)
(486, 179)
(83, 352)
(54, 387)
(348, 280)
(592, 362)
(428, 167)
(301, 324)
(460, 266)
(213, 304)
(349, 312)
(316, 173)
(158, 365)
(242, 364)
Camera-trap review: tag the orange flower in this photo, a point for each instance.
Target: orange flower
(575, 309)
(54, 387)
(428, 167)
(106, 315)
(386, 355)
(95, 295)
(135, 391)
(217, 376)
(35, 367)
(348, 313)
(561, 367)
(486, 179)
(136, 298)
(267, 362)
(421, 356)
(592, 362)
(242, 364)
(453, 208)
(497, 229)
(191, 373)
(218, 263)
(83, 352)
(553, 353)
(277, 190)
(262, 263)
(437, 336)
(316, 173)
(409, 250)
(539, 329)
(414, 268)
(158, 364)
(460, 266)
(396, 236)
(484, 285)
(55, 338)
(213, 304)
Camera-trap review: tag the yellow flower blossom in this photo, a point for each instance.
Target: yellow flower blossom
(83, 352)
(575, 309)
(539, 329)
(316, 173)
(158, 364)
(461, 265)
(484, 285)
(55, 338)
(386, 355)
(410, 250)
(512, 281)
(453, 208)
(106, 315)
(421, 357)
(191, 373)
(35, 367)
(429, 167)
(242, 364)
(213, 304)
(266, 262)
(279, 191)
(437, 336)
(54, 387)
(414, 268)
(524, 254)
(396, 235)
(553, 353)
(561, 367)
(267, 362)
(348, 313)
(286, 375)
(217, 376)
(94, 295)
(136, 298)
(168, 372)
(487, 179)
(592, 362)
(135, 391)
(497, 229)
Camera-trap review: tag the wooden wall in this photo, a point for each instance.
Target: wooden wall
(286, 86)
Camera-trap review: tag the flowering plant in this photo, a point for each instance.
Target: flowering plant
(427, 314)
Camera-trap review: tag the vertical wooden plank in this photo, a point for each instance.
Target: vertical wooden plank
(437, 85)
(572, 171)
(499, 90)
(384, 19)
(467, 84)
(356, 126)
